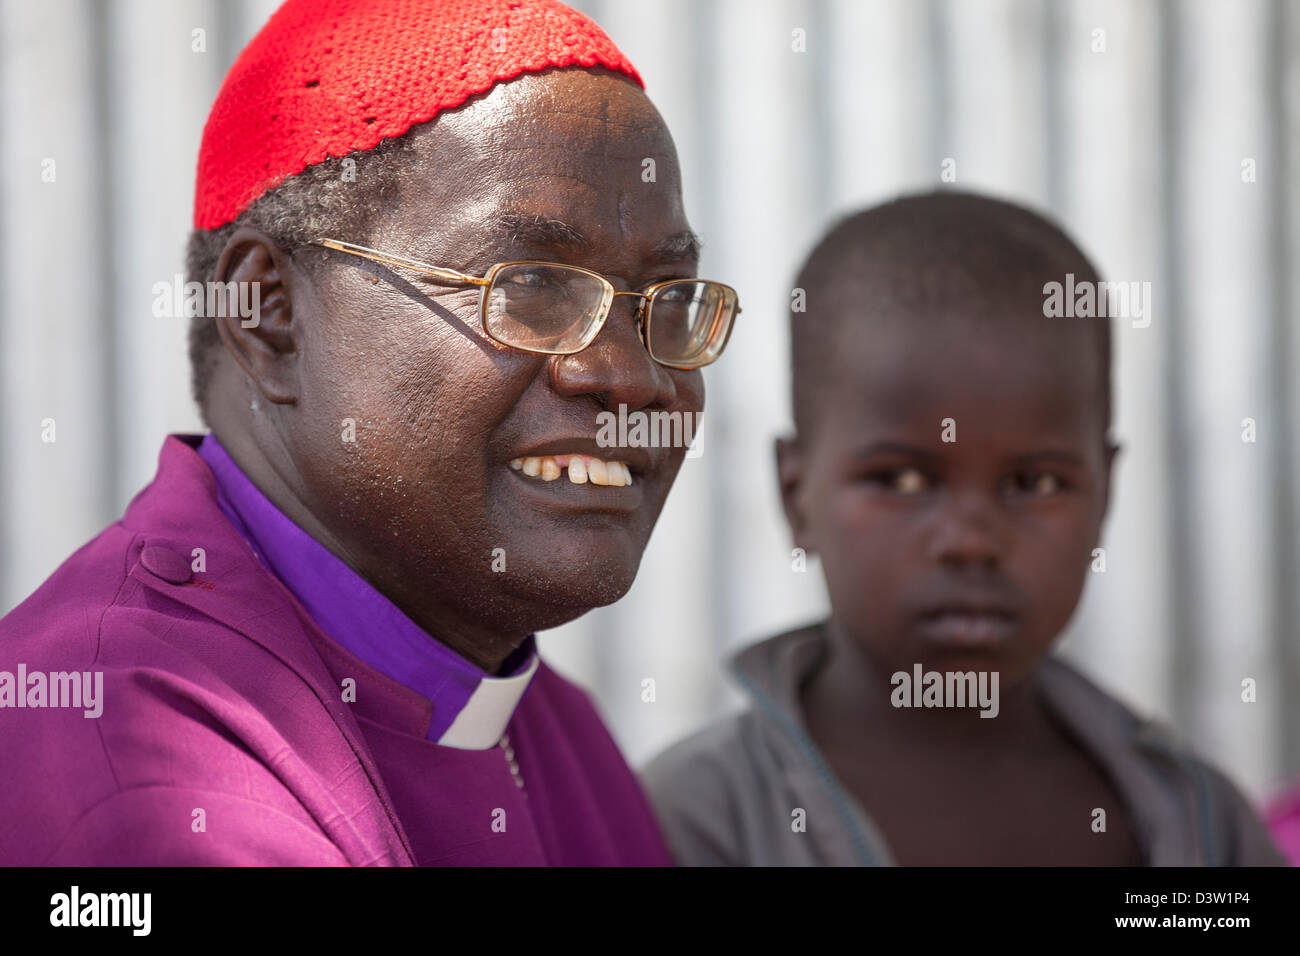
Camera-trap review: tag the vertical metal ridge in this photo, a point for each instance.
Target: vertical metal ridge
(941, 85)
(1284, 346)
(1053, 105)
(1186, 657)
(821, 23)
(110, 490)
(6, 569)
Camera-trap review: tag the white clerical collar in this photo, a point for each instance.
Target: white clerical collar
(482, 721)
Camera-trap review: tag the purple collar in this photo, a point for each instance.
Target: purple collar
(471, 708)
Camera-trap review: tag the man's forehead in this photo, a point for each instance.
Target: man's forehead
(570, 110)
(571, 231)
(564, 173)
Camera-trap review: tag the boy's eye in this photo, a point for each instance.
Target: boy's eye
(909, 481)
(1038, 483)
(904, 481)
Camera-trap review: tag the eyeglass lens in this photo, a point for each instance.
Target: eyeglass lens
(552, 308)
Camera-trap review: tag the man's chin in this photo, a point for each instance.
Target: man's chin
(561, 595)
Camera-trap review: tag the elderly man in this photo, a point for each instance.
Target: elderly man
(460, 229)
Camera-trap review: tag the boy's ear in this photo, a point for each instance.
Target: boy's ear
(256, 326)
(789, 471)
(1108, 480)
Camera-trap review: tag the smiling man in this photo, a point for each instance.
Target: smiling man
(315, 627)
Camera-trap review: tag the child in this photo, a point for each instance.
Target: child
(952, 467)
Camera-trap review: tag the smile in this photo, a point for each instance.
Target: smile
(581, 469)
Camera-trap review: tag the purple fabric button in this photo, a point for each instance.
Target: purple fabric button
(166, 564)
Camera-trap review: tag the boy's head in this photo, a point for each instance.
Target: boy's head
(951, 463)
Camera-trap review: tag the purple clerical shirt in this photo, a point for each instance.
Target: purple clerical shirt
(243, 698)
(470, 708)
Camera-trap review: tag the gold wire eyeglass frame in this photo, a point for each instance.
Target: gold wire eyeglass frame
(644, 309)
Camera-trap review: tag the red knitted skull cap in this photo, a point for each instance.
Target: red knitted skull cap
(327, 77)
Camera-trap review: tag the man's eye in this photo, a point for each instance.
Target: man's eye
(676, 295)
(533, 279)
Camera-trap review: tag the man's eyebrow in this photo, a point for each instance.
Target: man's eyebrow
(683, 246)
(532, 230)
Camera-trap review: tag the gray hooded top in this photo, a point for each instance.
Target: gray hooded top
(725, 795)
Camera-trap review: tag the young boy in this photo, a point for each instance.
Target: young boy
(952, 467)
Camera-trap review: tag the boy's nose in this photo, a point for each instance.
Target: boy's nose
(968, 529)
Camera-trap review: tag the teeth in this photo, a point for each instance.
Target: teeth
(582, 469)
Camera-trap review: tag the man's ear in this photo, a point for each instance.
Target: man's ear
(256, 324)
(789, 471)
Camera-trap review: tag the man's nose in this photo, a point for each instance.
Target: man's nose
(615, 367)
(969, 528)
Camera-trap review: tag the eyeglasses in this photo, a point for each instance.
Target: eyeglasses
(559, 310)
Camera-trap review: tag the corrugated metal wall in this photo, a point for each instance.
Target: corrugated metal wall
(1141, 148)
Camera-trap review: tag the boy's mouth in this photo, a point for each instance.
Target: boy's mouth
(967, 625)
